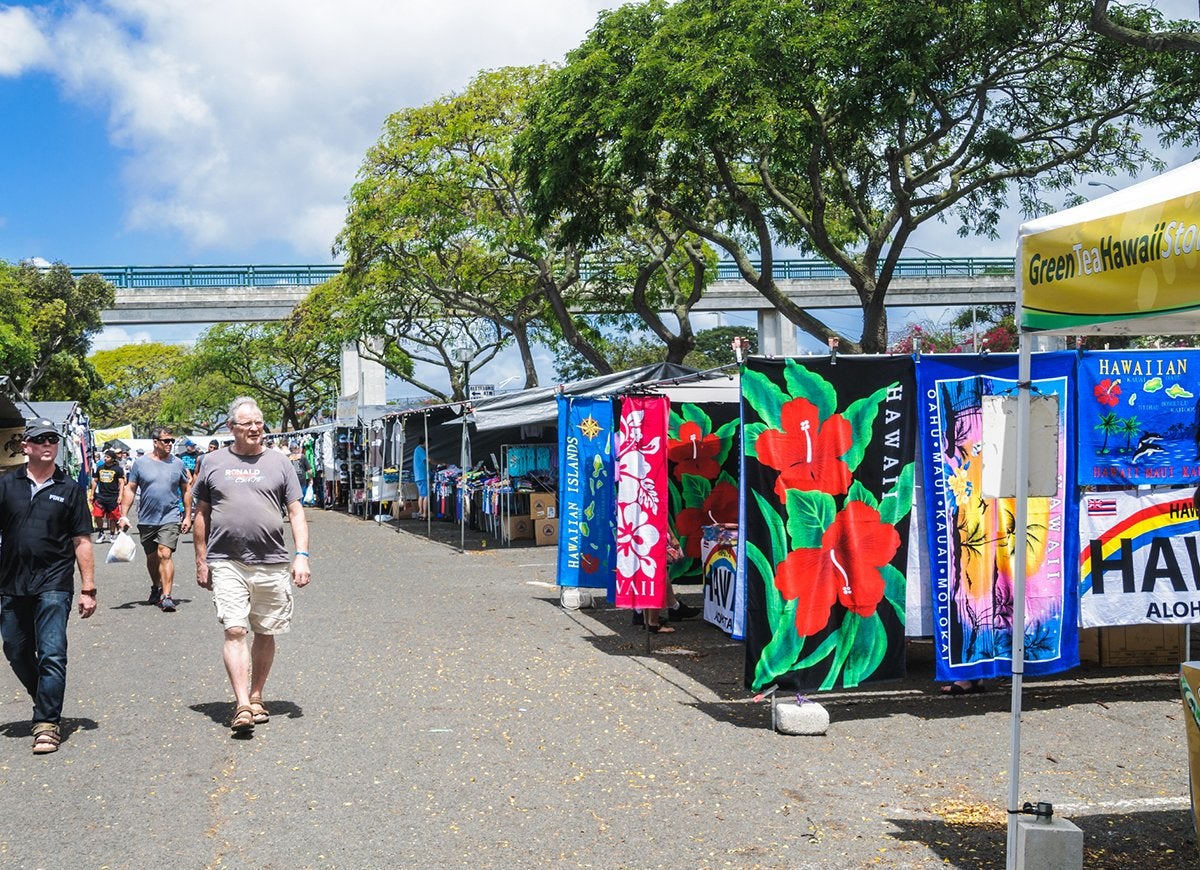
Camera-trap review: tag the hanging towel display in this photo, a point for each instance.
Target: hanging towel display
(1139, 558)
(703, 466)
(642, 502)
(828, 477)
(587, 540)
(1139, 417)
(972, 538)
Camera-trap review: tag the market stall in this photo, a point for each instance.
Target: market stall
(1127, 263)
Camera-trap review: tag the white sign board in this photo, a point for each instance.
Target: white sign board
(999, 447)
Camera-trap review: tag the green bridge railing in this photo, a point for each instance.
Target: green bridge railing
(135, 277)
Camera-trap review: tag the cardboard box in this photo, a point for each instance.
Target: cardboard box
(545, 532)
(518, 528)
(1089, 645)
(1125, 645)
(543, 505)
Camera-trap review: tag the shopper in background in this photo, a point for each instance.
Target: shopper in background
(163, 483)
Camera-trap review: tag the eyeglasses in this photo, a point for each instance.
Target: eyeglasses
(165, 440)
(43, 439)
(249, 424)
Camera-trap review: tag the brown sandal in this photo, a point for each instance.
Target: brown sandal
(243, 719)
(45, 738)
(259, 711)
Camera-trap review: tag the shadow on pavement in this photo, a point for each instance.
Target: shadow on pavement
(142, 602)
(222, 711)
(1112, 841)
(23, 728)
(707, 655)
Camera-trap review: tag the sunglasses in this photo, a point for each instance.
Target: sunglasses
(165, 440)
(43, 439)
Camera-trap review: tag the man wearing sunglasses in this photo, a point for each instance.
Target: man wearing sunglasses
(46, 530)
(163, 481)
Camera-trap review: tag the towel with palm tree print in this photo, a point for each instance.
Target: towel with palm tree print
(972, 539)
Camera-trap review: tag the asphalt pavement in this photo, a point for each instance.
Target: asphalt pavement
(432, 708)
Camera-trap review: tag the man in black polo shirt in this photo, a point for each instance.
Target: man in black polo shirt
(45, 531)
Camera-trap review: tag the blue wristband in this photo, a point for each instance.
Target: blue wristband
(302, 552)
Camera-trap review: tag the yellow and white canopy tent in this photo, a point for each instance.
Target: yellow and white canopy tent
(1127, 263)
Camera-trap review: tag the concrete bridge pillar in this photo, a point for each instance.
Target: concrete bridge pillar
(365, 377)
(776, 334)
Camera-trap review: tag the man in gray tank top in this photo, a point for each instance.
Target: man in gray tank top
(242, 553)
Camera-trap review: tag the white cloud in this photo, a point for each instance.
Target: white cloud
(245, 123)
(115, 336)
(22, 45)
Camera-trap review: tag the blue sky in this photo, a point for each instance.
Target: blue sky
(170, 132)
(222, 132)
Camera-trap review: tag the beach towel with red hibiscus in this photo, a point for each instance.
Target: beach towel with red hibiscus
(828, 473)
(702, 477)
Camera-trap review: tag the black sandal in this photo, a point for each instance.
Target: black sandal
(954, 689)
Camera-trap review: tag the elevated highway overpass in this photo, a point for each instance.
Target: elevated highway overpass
(162, 295)
(211, 294)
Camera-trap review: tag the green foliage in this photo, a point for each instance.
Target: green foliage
(47, 321)
(435, 238)
(713, 346)
(840, 127)
(292, 371)
(441, 249)
(135, 378)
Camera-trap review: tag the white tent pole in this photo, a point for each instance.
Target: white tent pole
(1021, 536)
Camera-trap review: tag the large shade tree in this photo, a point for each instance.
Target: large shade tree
(438, 229)
(292, 371)
(136, 378)
(47, 321)
(1116, 23)
(841, 127)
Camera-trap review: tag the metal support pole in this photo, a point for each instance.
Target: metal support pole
(1020, 532)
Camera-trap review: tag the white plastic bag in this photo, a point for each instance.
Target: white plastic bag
(123, 549)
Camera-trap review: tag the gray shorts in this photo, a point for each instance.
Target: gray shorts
(166, 535)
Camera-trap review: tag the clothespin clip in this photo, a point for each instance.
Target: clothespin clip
(833, 349)
(917, 348)
(1079, 345)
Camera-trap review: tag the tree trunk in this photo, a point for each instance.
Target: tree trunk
(875, 324)
(520, 334)
(571, 333)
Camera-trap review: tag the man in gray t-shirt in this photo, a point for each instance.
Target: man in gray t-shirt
(243, 557)
(163, 481)
(247, 497)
